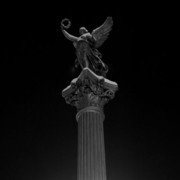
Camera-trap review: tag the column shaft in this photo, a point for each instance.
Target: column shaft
(91, 151)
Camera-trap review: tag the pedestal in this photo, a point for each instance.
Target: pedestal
(89, 93)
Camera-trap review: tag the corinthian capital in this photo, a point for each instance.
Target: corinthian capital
(89, 90)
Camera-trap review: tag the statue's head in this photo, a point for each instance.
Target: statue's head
(83, 30)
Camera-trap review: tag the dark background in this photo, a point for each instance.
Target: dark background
(39, 130)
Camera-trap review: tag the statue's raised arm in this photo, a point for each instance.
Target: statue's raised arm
(66, 34)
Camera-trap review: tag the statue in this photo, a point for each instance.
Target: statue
(87, 43)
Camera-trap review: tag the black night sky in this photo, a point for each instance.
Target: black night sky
(39, 130)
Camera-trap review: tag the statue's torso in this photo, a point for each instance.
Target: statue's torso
(85, 36)
(88, 38)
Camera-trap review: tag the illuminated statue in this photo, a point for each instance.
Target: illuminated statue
(87, 43)
(89, 92)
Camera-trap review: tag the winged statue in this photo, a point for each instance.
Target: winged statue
(87, 45)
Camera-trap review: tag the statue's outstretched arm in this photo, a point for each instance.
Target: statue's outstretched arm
(69, 36)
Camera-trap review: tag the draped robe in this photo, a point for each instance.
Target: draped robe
(88, 56)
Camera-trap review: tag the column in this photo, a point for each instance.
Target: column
(91, 151)
(89, 93)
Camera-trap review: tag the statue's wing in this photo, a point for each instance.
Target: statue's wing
(101, 33)
(69, 36)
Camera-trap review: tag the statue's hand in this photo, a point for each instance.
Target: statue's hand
(63, 22)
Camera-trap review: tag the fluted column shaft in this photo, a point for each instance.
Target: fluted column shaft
(91, 150)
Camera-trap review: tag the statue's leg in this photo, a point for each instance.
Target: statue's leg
(86, 61)
(80, 58)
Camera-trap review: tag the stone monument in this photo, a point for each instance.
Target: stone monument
(89, 92)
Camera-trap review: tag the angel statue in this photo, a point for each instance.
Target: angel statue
(87, 43)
